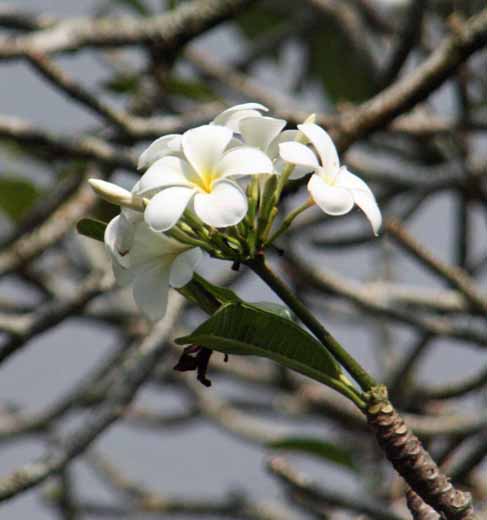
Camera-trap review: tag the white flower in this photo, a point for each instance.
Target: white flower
(166, 145)
(201, 173)
(171, 144)
(232, 116)
(332, 186)
(151, 262)
(264, 133)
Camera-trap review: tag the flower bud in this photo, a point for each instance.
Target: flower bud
(117, 195)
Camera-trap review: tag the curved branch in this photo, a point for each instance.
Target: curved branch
(169, 31)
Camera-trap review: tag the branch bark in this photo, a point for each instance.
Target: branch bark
(169, 31)
(412, 461)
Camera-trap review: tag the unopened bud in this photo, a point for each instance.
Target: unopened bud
(311, 119)
(117, 195)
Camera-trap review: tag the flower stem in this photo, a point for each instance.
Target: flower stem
(288, 220)
(259, 266)
(179, 235)
(284, 177)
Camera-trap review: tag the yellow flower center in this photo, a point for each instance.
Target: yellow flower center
(330, 179)
(205, 181)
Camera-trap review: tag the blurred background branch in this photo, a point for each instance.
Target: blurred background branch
(402, 88)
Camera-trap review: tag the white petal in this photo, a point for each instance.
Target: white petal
(324, 146)
(346, 179)
(244, 160)
(204, 146)
(362, 196)
(283, 137)
(168, 171)
(183, 267)
(299, 172)
(126, 229)
(123, 275)
(225, 206)
(165, 208)
(168, 144)
(297, 153)
(151, 287)
(332, 200)
(273, 152)
(261, 131)
(111, 233)
(118, 238)
(149, 245)
(232, 116)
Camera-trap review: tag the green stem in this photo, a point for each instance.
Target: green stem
(289, 220)
(283, 178)
(345, 389)
(195, 292)
(259, 266)
(184, 238)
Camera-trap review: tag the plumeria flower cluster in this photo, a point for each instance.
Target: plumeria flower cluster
(215, 190)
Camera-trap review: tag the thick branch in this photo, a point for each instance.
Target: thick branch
(169, 31)
(405, 93)
(61, 147)
(412, 461)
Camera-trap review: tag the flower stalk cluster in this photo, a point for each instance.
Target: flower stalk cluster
(215, 190)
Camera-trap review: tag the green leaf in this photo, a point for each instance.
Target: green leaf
(317, 448)
(347, 79)
(240, 328)
(17, 196)
(189, 88)
(275, 308)
(222, 294)
(91, 228)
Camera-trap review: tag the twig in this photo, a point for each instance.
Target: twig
(57, 146)
(471, 460)
(418, 508)
(168, 31)
(329, 282)
(131, 125)
(455, 389)
(416, 86)
(148, 501)
(456, 276)
(307, 489)
(411, 33)
(49, 315)
(129, 379)
(33, 244)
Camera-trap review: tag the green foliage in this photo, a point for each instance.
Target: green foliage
(316, 448)
(121, 84)
(343, 69)
(275, 308)
(137, 6)
(104, 211)
(259, 20)
(91, 228)
(17, 196)
(221, 294)
(189, 88)
(243, 329)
